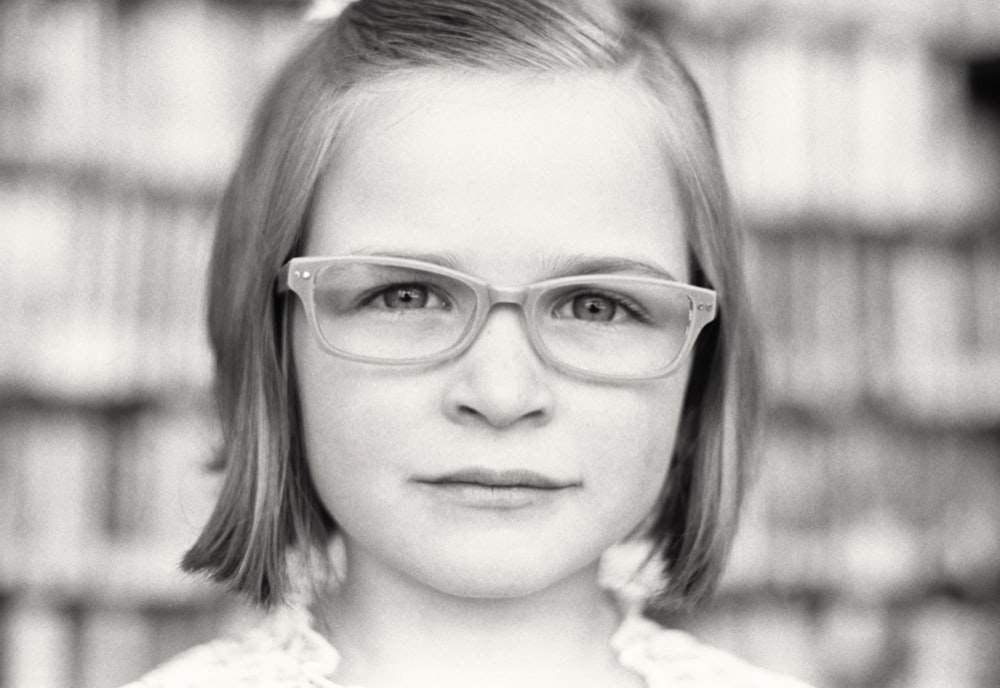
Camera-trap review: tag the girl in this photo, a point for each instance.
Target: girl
(478, 316)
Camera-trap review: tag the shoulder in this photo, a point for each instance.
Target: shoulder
(667, 657)
(282, 650)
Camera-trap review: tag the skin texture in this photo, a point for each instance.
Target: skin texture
(504, 176)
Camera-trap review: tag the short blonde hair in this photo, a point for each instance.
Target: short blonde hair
(268, 506)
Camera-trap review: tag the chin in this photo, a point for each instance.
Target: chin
(492, 585)
(503, 575)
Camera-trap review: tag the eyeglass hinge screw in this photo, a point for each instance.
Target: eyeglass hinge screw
(306, 275)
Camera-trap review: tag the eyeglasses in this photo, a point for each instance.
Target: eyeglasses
(397, 311)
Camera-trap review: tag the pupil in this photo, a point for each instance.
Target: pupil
(593, 308)
(406, 297)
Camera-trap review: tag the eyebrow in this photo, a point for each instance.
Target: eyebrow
(565, 266)
(444, 260)
(560, 266)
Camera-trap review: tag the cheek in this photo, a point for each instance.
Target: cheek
(348, 426)
(348, 410)
(642, 420)
(629, 445)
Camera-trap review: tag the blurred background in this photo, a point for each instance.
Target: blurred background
(862, 140)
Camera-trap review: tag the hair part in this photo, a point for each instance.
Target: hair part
(268, 507)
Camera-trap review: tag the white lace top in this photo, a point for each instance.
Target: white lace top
(286, 652)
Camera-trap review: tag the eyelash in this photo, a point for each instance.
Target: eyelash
(632, 308)
(375, 292)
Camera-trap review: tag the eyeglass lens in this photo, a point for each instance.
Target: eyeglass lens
(604, 324)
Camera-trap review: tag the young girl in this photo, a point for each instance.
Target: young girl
(478, 317)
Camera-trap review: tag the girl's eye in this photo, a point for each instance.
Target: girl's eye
(594, 308)
(407, 297)
(599, 308)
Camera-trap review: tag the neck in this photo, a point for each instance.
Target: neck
(393, 631)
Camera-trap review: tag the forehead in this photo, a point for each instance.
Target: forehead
(503, 172)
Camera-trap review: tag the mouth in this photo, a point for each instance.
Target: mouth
(495, 490)
(476, 477)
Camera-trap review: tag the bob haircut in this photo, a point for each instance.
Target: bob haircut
(268, 508)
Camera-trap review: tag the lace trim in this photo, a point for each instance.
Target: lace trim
(286, 652)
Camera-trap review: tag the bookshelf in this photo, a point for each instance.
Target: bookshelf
(866, 171)
(118, 124)
(864, 156)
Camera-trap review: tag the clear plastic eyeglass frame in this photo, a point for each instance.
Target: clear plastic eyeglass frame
(298, 275)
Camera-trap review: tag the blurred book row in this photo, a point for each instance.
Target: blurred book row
(958, 25)
(104, 293)
(873, 513)
(58, 643)
(871, 556)
(908, 327)
(872, 134)
(135, 94)
(939, 643)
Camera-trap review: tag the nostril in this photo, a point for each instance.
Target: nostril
(468, 411)
(498, 418)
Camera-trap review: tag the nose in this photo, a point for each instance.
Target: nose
(500, 381)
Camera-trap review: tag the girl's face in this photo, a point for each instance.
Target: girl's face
(506, 179)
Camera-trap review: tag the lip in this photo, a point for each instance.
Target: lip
(498, 479)
(498, 490)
